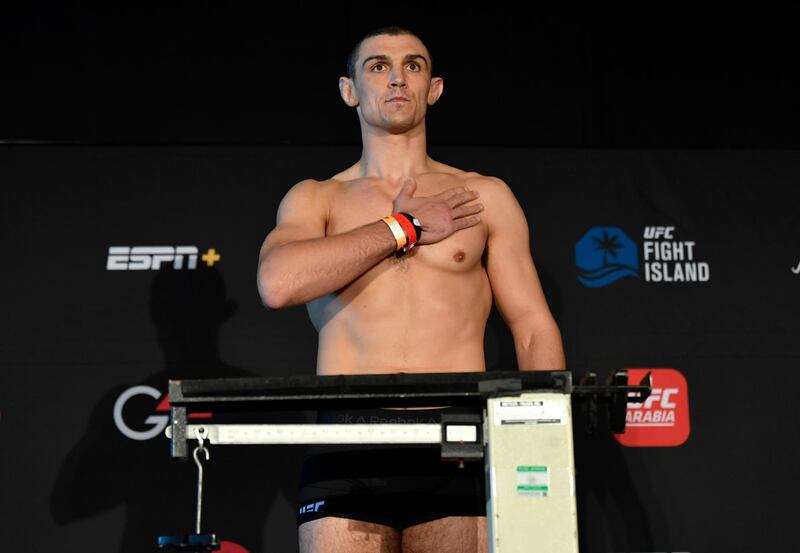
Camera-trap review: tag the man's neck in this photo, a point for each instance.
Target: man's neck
(394, 157)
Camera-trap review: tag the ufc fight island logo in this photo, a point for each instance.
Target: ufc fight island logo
(606, 254)
(662, 420)
(151, 258)
(670, 260)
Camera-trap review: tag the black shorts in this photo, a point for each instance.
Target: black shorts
(393, 485)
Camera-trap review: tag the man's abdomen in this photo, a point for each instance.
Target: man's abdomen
(410, 326)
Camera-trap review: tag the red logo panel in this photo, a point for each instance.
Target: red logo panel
(663, 419)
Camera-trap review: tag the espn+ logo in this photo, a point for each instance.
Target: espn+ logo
(151, 258)
(662, 420)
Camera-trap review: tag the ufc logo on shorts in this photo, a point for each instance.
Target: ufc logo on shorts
(312, 507)
(150, 258)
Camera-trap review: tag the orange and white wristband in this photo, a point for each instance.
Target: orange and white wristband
(397, 231)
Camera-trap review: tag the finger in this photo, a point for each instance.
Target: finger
(450, 192)
(408, 189)
(462, 198)
(466, 222)
(465, 210)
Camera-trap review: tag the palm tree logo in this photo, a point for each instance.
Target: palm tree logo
(604, 255)
(609, 245)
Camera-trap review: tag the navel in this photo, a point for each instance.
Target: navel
(459, 256)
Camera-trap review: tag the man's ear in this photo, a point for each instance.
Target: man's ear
(347, 89)
(437, 87)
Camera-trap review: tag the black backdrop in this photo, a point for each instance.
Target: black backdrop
(231, 105)
(77, 337)
(206, 72)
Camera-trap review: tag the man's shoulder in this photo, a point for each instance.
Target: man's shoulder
(486, 185)
(308, 198)
(469, 178)
(495, 195)
(484, 182)
(314, 187)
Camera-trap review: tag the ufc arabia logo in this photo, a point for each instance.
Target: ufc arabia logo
(662, 420)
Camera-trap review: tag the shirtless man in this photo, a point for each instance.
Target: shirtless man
(424, 311)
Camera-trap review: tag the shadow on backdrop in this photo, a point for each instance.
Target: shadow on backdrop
(617, 508)
(106, 468)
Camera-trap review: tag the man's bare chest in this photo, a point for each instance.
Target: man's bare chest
(355, 207)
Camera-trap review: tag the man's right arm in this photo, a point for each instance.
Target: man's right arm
(298, 263)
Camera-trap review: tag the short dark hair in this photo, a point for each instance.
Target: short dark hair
(392, 30)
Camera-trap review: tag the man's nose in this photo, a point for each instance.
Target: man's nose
(398, 78)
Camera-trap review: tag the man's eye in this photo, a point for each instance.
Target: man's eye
(413, 66)
(379, 67)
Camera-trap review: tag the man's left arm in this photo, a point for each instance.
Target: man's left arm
(517, 291)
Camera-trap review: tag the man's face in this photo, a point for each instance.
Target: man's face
(392, 82)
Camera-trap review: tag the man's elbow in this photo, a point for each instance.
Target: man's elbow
(539, 345)
(273, 294)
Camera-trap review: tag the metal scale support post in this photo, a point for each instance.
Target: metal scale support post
(530, 474)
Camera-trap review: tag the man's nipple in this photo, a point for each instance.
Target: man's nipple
(459, 256)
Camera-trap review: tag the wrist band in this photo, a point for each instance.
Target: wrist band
(408, 228)
(412, 228)
(417, 225)
(397, 231)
